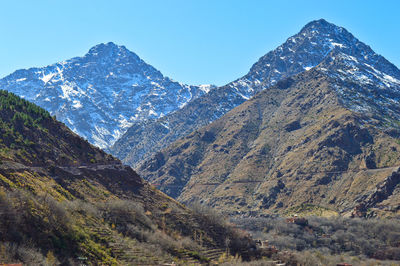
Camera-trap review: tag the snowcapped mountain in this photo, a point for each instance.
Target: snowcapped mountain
(103, 93)
(318, 44)
(369, 83)
(307, 49)
(327, 137)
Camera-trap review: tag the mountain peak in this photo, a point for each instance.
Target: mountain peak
(304, 51)
(319, 23)
(323, 27)
(107, 46)
(109, 49)
(326, 30)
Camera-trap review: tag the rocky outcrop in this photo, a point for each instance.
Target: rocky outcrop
(382, 192)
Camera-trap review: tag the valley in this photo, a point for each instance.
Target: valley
(106, 161)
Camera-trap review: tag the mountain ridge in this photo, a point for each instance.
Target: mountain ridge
(340, 115)
(298, 53)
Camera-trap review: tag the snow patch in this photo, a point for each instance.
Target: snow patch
(391, 79)
(68, 91)
(76, 104)
(206, 87)
(244, 97)
(348, 57)
(123, 122)
(165, 124)
(48, 77)
(335, 44)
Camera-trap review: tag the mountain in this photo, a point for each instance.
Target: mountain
(299, 53)
(326, 139)
(144, 138)
(64, 201)
(102, 93)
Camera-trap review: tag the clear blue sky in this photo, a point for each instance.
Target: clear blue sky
(196, 42)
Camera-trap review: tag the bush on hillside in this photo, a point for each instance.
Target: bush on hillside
(374, 238)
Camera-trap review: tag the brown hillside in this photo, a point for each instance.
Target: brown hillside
(296, 144)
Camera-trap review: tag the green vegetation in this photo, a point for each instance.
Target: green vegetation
(18, 118)
(335, 236)
(309, 258)
(28, 134)
(16, 114)
(61, 231)
(58, 231)
(41, 221)
(23, 109)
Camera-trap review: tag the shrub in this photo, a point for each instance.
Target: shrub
(124, 212)
(208, 214)
(374, 238)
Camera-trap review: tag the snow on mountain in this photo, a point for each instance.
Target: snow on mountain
(368, 83)
(102, 93)
(309, 48)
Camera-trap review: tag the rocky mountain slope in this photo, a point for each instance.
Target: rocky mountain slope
(102, 93)
(65, 201)
(328, 138)
(144, 138)
(300, 52)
